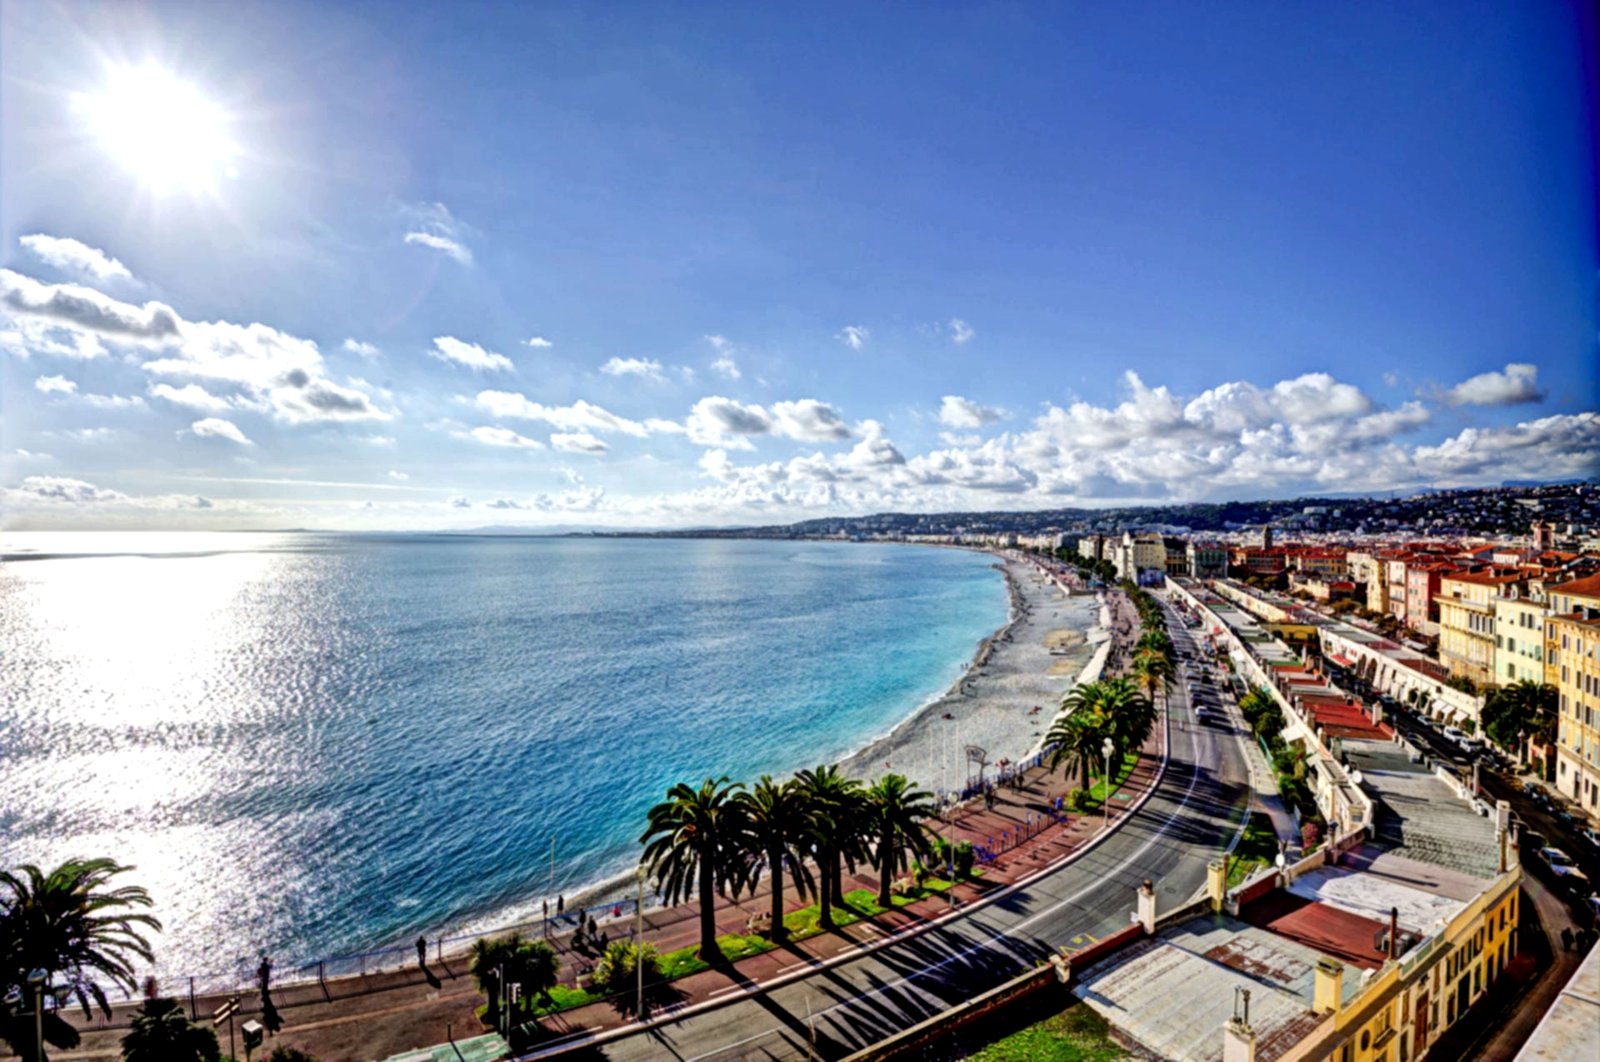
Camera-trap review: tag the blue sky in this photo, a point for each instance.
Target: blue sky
(780, 263)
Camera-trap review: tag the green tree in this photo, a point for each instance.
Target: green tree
(161, 1032)
(520, 960)
(897, 811)
(692, 847)
(1130, 716)
(838, 830)
(1076, 735)
(83, 934)
(617, 972)
(777, 829)
(1524, 707)
(1153, 670)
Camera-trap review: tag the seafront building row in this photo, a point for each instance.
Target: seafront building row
(1373, 946)
(1436, 624)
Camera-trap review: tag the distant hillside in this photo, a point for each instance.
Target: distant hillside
(1471, 510)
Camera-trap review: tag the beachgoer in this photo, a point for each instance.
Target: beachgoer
(422, 951)
(561, 904)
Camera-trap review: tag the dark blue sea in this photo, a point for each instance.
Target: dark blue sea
(312, 745)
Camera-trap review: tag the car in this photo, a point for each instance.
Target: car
(1454, 734)
(1555, 857)
(1531, 840)
(1590, 835)
(1574, 882)
(1591, 906)
(1565, 817)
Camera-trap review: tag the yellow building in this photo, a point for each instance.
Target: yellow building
(1372, 575)
(1519, 614)
(1467, 623)
(1572, 639)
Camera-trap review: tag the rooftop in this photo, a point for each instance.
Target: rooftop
(1417, 815)
(1571, 1027)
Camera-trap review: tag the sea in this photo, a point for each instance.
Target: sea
(314, 745)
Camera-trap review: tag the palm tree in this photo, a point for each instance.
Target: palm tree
(838, 817)
(82, 934)
(161, 1032)
(1154, 670)
(520, 961)
(691, 846)
(1076, 737)
(897, 811)
(1129, 714)
(776, 821)
(1155, 640)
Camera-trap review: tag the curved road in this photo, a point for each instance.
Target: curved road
(1193, 815)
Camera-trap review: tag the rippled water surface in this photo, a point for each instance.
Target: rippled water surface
(312, 745)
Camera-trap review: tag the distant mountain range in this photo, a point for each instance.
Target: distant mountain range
(1467, 510)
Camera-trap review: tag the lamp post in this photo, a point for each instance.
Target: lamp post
(638, 938)
(1522, 748)
(1107, 748)
(36, 981)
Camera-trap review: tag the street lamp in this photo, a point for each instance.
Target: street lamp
(36, 981)
(638, 939)
(1107, 748)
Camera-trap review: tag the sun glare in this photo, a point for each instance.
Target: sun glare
(160, 128)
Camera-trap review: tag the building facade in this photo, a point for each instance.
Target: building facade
(1572, 640)
(1467, 623)
(1519, 614)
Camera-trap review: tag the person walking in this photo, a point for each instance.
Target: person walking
(422, 951)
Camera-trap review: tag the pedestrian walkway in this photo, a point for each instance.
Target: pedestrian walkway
(478, 1049)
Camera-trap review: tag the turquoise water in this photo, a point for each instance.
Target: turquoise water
(312, 745)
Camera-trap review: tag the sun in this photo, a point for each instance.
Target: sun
(160, 128)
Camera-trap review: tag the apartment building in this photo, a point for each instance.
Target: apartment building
(1207, 560)
(1371, 575)
(1422, 594)
(1467, 622)
(1572, 662)
(1519, 614)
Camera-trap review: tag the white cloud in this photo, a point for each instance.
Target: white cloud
(719, 421)
(439, 230)
(960, 331)
(55, 385)
(724, 364)
(538, 343)
(493, 436)
(580, 416)
(647, 367)
(112, 401)
(217, 428)
(398, 477)
(63, 489)
(808, 419)
(63, 252)
(474, 357)
(366, 350)
(958, 412)
(853, 336)
(578, 442)
(503, 503)
(84, 308)
(192, 396)
(1516, 384)
(455, 250)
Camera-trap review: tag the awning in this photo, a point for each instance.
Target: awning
(1342, 661)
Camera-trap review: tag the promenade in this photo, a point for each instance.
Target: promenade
(381, 1014)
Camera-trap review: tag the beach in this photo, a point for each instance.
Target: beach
(1028, 664)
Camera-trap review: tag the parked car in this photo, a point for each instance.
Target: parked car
(1573, 881)
(1454, 734)
(1555, 857)
(1531, 840)
(1591, 906)
(1590, 835)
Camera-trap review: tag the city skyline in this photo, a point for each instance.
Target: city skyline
(548, 267)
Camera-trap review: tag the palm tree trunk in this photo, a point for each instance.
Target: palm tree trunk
(827, 863)
(838, 878)
(709, 952)
(885, 867)
(775, 862)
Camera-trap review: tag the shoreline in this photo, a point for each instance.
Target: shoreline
(1011, 671)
